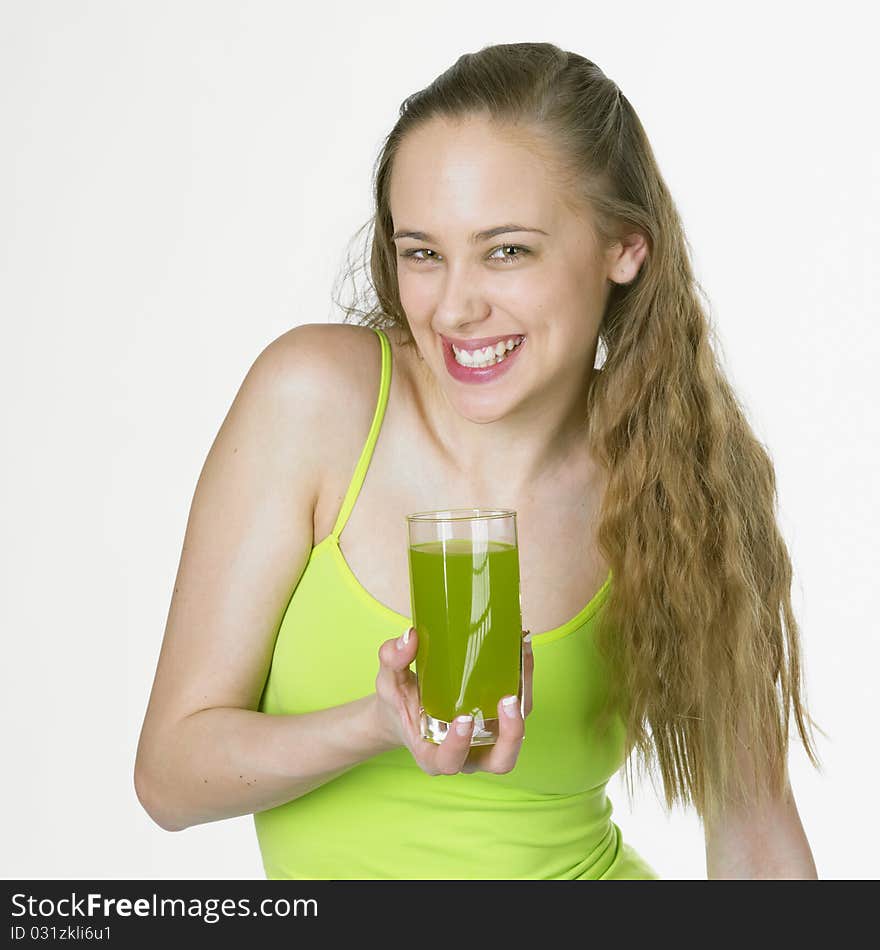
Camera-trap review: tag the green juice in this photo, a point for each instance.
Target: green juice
(466, 610)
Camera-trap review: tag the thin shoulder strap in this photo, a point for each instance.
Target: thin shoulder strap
(363, 464)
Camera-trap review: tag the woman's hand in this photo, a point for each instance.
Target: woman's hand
(397, 693)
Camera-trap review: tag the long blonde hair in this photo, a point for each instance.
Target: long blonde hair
(698, 628)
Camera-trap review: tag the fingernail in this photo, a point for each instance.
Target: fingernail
(528, 637)
(463, 725)
(509, 706)
(403, 639)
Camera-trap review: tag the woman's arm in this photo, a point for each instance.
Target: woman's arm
(224, 762)
(763, 842)
(205, 752)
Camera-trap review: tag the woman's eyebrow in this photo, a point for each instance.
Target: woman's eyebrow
(476, 237)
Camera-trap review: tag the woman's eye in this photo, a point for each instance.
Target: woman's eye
(510, 247)
(413, 253)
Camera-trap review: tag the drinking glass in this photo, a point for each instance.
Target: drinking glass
(465, 596)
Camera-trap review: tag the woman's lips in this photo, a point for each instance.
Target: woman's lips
(471, 374)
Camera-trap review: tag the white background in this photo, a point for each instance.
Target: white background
(179, 182)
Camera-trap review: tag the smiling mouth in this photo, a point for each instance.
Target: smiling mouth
(488, 367)
(480, 354)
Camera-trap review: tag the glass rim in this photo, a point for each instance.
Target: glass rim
(461, 514)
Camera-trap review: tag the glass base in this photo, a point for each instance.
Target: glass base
(485, 731)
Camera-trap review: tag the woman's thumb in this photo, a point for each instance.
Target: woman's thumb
(397, 654)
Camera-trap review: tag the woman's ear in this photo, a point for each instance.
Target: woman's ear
(625, 257)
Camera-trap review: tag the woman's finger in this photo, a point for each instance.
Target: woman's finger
(449, 756)
(528, 672)
(502, 756)
(395, 657)
(486, 758)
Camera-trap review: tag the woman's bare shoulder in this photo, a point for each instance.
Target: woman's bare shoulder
(328, 361)
(331, 371)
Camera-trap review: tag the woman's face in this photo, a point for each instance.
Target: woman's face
(544, 280)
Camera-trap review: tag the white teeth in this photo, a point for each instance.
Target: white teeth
(488, 355)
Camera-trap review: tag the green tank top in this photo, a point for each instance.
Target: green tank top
(548, 818)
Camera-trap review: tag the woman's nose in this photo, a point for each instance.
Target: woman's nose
(461, 304)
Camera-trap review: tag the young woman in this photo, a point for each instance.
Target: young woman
(520, 221)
